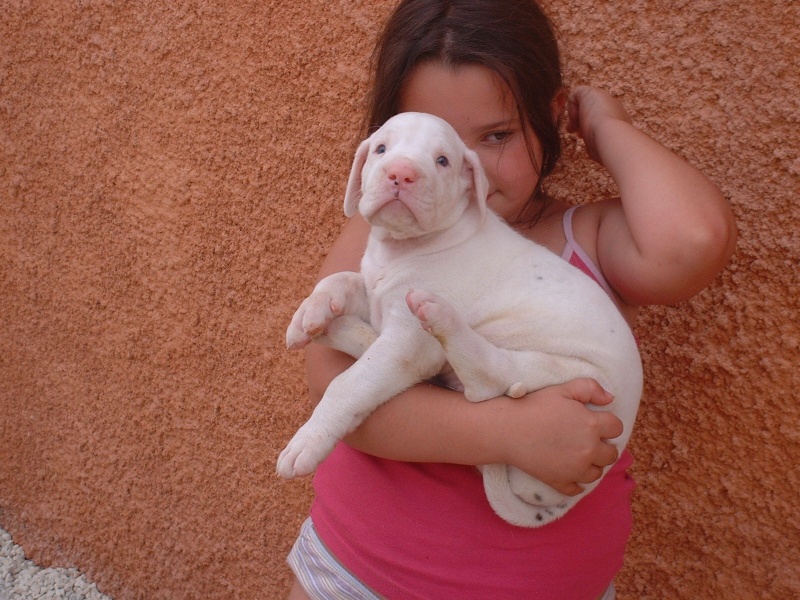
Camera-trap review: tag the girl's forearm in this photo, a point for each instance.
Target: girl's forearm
(409, 427)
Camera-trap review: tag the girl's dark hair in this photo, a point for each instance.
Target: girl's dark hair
(513, 38)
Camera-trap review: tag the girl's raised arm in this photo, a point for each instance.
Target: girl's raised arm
(672, 231)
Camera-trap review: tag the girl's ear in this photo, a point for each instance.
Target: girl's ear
(557, 104)
(353, 194)
(480, 184)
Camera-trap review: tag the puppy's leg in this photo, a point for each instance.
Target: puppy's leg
(460, 342)
(349, 334)
(400, 357)
(338, 294)
(486, 370)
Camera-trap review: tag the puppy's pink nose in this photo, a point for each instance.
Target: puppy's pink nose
(401, 174)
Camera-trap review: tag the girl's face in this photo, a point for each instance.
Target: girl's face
(480, 107)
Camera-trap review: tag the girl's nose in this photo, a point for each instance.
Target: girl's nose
(402, 174)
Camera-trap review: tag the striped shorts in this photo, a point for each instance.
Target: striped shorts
(324, 578)
(320, 574)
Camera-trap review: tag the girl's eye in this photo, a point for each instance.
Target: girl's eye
(442, 161)
(380, 149)
(497, 137)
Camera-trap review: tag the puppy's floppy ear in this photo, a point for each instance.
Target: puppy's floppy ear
(480, 185)
(353, 194)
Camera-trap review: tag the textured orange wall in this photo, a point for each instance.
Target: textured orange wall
(170, 177)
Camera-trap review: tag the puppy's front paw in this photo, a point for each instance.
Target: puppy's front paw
(296, 338)
(302, 455)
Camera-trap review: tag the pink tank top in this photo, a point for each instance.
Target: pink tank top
(423, 531)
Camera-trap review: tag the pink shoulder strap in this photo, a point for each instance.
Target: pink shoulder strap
(574, 254)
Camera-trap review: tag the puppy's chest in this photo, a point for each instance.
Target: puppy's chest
(387, 284)
(383, 282)
(374, 277)
(382, 273)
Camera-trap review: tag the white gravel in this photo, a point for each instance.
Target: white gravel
(21, 579)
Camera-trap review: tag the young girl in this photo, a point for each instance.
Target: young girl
(400, 513)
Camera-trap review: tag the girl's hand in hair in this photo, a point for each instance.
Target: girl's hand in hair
(587, 108)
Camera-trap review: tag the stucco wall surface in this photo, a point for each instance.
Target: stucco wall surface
(171, 175)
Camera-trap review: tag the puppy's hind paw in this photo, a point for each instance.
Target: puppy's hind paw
(435, 314)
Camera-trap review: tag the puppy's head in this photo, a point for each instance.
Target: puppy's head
(414, 176)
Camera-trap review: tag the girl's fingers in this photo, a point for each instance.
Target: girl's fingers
(607, 455)
(610, 426)
(569, 489)
(588, 391)
(593, 473)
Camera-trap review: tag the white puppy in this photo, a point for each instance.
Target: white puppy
(502, 314)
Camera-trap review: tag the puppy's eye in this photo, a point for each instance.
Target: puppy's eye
(442, 161)
(380, 149)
